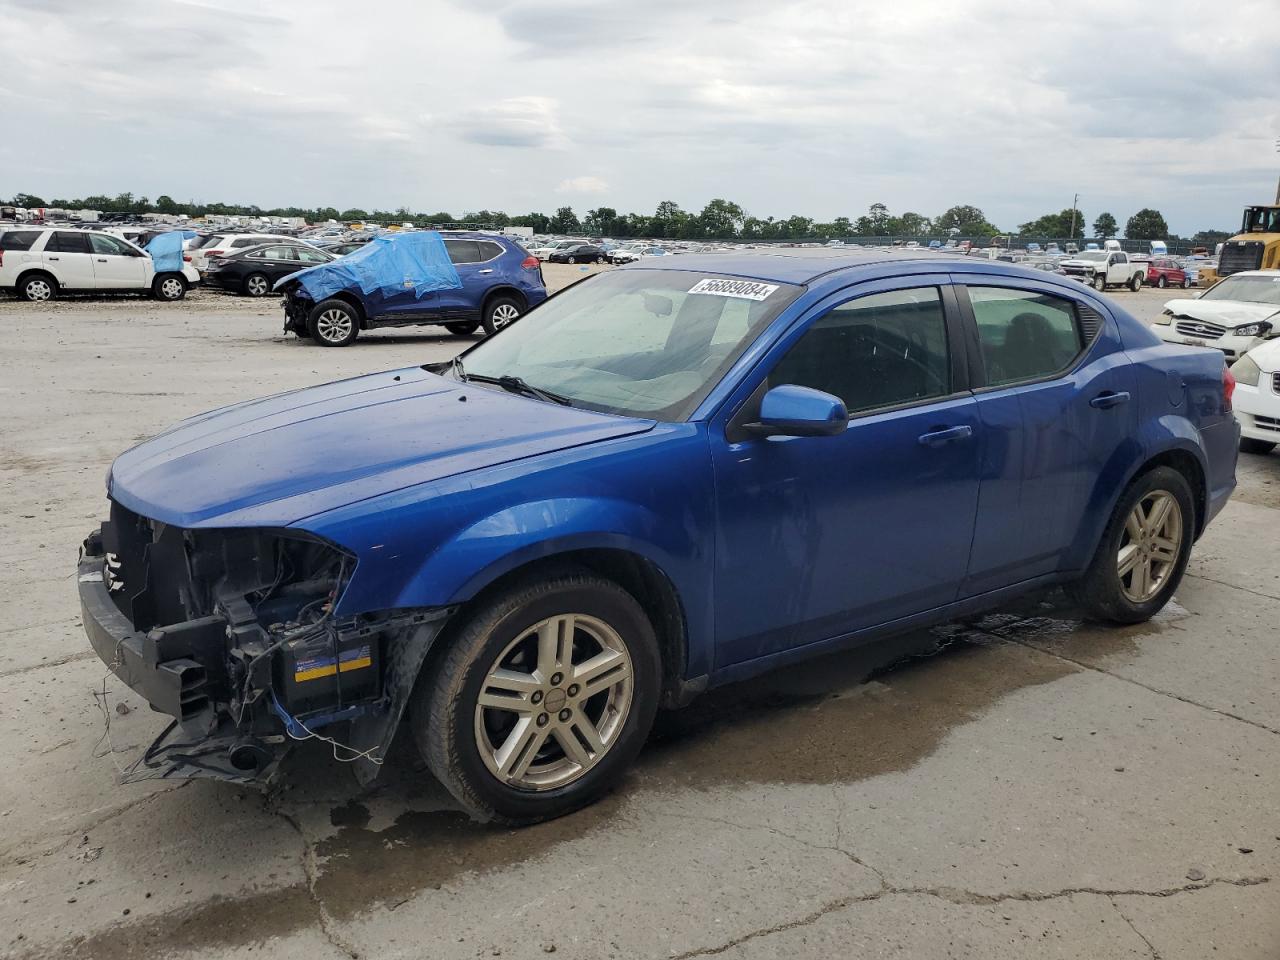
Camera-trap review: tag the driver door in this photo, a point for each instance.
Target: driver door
(821, 537)
(116, 265)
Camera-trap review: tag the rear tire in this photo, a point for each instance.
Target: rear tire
(169, 287)
(1161, 282)
(476, 751)
(1107, 593)
(38, 288)
(256, 285)
(499, 312)
(1250, 445)
(463, 329)
(1135, 283)
(333, 323)
(1186, 283)
(572, 260)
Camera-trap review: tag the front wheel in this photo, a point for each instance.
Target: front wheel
(1135, 284)
(256, 285)
(1250, 445)
(541, 700)
(169, 288)
(1143, 552)
(1100, 283)
(501, 312)
(333, 323)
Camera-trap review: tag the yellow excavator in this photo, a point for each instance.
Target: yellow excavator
(1257, 245)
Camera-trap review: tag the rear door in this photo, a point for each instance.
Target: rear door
(1054, 397)
(68, 257)
(116, 264)
(474, 261)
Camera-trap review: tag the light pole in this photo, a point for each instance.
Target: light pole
(1075, 202)
(1278, 180)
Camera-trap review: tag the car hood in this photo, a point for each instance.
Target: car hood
(1081, 263)
(275, 461)
(1225, 313)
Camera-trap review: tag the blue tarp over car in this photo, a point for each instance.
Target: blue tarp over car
(392, 264)
(166, 251)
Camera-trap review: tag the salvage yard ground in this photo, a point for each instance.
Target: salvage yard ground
(1035, 787)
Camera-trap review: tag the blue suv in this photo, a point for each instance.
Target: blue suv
(496, 282)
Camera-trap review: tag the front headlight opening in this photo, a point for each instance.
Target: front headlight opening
(1246, 371)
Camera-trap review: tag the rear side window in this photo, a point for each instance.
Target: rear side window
(18, 239)
(1024, 335)
(880, 350)
(488, 250)
(463, 251)
(248, 242)
(67, 241)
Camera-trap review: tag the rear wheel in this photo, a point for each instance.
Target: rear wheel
(464, 329)
(499, 312)
(333, 323)
(169, 287)
(256, 285)
(1161, 282)
(1186, 283)
(573, 260)
(1100, 283)
(38, 288)
(541, 700)
(1143, 552)
(1250, 445)
(1135, 283)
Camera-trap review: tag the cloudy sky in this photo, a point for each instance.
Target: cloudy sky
(816, 107)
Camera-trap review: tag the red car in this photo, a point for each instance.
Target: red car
(1162, 272)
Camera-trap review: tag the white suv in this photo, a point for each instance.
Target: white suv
(218, 244)
(37, 263)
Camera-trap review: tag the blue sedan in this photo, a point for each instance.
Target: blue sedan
(668, 477)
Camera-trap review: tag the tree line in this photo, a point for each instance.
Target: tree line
(719, 220)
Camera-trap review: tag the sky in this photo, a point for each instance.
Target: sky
(811, 107)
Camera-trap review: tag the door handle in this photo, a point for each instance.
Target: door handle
(53, 258)
(1105, 401)
(937, 438)
(490, 270)
(102, 259)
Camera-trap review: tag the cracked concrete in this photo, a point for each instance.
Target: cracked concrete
(1040, 787)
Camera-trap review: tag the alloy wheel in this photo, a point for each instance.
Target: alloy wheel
(257, 286)
(171, 289)
(334, 325)
(39, 291)
(554, 702)
(504, 314)
(1150, 546)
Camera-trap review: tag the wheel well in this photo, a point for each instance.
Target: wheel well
(503, 292)
(351, 301)
(640, 577)
(35, 271)
(1189, 467)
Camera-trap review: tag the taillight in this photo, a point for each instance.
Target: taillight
(1, 258)
(529, 263)
(213, 253)
(1228, 389)
(186, 258)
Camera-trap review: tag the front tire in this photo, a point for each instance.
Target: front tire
(1100, 283)
(333, 323)
(169, 288)
(256, 285)
(38, 288)
(1250, 445)
(499, 312)
(541, 700)
(1143, 552)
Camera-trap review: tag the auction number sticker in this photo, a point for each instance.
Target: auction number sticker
(742, 289)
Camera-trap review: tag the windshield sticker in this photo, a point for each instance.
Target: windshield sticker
(742, 289)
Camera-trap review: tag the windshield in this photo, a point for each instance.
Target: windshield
(1248, 289)
(644, 343)
(1096, 255)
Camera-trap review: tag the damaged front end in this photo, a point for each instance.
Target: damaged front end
(233, 634)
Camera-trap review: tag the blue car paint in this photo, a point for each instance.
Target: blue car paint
(772, 553)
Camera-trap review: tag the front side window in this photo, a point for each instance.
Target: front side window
(276, 253)
(311, 256)
(109, 246)
(646, 343)
(880, 350)
(1024, 335)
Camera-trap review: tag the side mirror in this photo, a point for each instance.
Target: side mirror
(793, 411)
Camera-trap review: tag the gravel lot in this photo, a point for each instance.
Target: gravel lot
(1036, 787)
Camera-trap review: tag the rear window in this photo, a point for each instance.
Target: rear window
(212, 240)
(18, 239)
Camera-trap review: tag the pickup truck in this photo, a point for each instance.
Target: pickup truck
(1105, 268)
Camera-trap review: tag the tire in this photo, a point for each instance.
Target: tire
(333, 323)
(462, 742)
(1100, 283)
(1186, 283)
(256, 285)
(38, 288)
(1135, 282)
(1161, 282)
(572, 260)
(498, 313)
(463, 329)
(169, 287)
(1102, 591)
(599, 259)
(1250, 445)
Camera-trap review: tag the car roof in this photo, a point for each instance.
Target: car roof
(805, 264)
